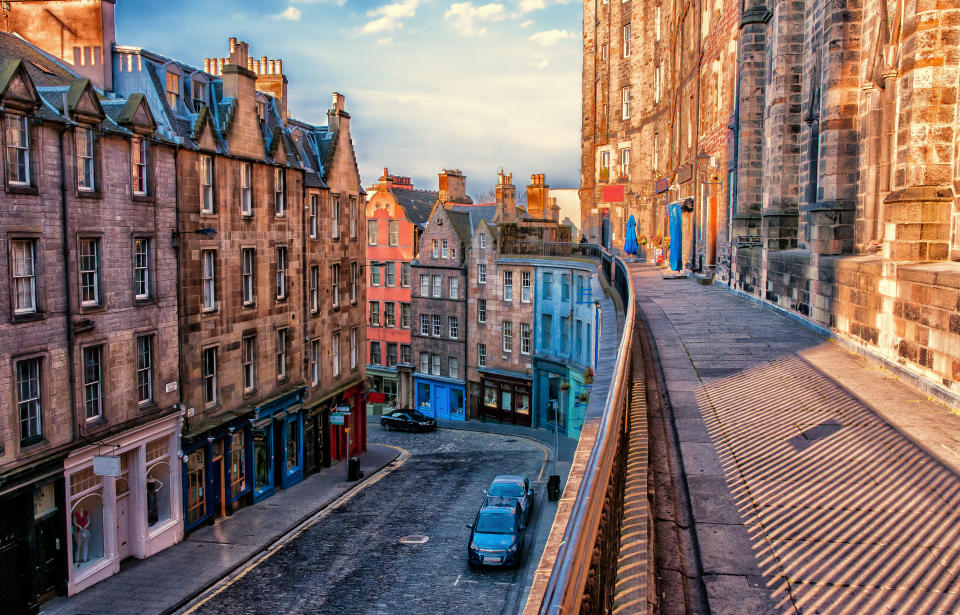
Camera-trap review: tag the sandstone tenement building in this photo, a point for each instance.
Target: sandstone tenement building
(809, 149)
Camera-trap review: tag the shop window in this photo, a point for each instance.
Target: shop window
(423, 398)
(548, 286)
(86, 516)
(158, 481)
(490, 397)
(525, 286)
(293, 445)
(456, 402)
(523, 404)
(261, 460)
(196, 472)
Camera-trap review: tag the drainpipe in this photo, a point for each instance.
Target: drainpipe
(65, 240)
(466, 329)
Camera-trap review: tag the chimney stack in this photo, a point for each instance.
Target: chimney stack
(453, 186)
(537, 194)
(506, 198)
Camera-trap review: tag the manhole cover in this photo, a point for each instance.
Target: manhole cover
(414, 539)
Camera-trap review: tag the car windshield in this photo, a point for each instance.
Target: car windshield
(507, 490)
(399, 415)
(495, 523)
(418, 417)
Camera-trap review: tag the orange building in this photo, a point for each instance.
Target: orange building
(396, 214)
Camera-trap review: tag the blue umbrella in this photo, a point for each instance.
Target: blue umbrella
(630, 244)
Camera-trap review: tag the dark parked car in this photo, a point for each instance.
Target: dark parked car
(497, 536)
(516, 488)
(410, 420)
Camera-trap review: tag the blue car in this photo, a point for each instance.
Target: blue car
(516, 488)
(497, 536)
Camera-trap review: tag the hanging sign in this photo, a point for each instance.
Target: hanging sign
(336, 418)
(106, 465)
(661, 185)
(684, 173)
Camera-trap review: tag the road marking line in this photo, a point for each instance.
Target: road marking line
(457, 582)
(318, 516)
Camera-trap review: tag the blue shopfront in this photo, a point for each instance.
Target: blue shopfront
(216, 471)
(440, 397)
(278, 444)
(561, 397)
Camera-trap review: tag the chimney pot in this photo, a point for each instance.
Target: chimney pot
(280, 66)
(249, 64)
(233, 44)
(206, 65)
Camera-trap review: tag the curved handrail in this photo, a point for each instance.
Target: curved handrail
(568, 577)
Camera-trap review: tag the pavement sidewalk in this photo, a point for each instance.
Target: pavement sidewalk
(171, 578)
(819, 483)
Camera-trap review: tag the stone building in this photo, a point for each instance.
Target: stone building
(396, 214)
(269, 241)
(810, 154)
(500, 316)
(439, 305)
(88, 331)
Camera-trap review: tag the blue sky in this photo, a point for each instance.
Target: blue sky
(430, 84)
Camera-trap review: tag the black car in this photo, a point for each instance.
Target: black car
(497, 536)
(411, 420)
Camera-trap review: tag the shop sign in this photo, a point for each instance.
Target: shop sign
(259, 435)
(684, 173)
(106, 465)
(614, 194)
(336, 418)
(661, 185)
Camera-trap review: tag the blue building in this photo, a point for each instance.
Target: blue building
(566, 326)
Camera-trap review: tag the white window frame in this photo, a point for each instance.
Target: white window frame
(507, 331)
(508, 286)
(248, 265)
(314, 362)
(335, 352)
(393, 233)
(18, 150)
(86, 160)
(482, 311)
(454, 327)
(625, 162)
(483, 240)
(453, 367)
(208, 277)
(525, 338)
(424, 324)
(526, 293)
(625, 102)
(145, 369)
(141, 267)
(30, 406)
(335, 216)
(437, 286)
(335, 283)
(437, 325)
(206, 184)
(454, 287)
(281, 273)
(353, 348)
(23, 257)
(354, 217)
(481, 355)
(281, 358)
(246, 189)
(280, 192)
(89, 271)
(314, 216)
(92, 382)
(248, 362)
(424, 285)
(626, 40)
(138, 166)
(444, 250)
(372, 232)
(314, 289)
(210, 376)
(481, 273)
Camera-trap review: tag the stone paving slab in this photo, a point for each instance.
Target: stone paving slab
(820, 483)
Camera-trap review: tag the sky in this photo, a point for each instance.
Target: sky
(429, 84)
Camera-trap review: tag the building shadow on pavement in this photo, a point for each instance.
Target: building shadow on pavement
(845, 513)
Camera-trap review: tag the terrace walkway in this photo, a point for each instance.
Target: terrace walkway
(818, 482)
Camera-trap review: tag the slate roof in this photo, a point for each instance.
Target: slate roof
(417, 203)
(461, 222)
(483, 211)
(44, 70)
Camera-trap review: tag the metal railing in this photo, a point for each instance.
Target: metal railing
(551, 248)
(577, 572)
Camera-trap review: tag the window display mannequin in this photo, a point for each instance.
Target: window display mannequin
(81, 534)
(153, 490)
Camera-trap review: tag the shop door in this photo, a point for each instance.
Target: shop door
(219, 480)
(46, 566)
(310, 442)
(14, 553)
(441, 401)
(123, 525)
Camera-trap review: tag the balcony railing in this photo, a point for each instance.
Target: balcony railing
(548, 248)
(578, 569)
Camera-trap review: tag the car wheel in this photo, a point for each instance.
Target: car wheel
(386, 426)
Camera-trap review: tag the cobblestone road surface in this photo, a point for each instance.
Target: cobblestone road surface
(353, 561)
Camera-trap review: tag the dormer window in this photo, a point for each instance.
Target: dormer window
(85, 160)
(199, 95)
(173, 90)
(18, 150)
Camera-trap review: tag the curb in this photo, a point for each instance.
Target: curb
(304, 523)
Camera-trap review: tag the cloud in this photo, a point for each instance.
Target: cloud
(390, 16)
(385, 40)
(528, 22)
(541, 64)
(548, 38)
(531, 5)
(337, 2)
(462, 15)
(291, 13)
